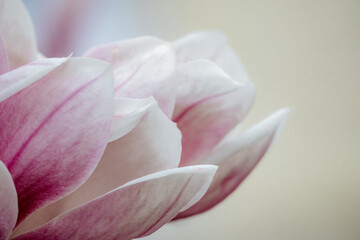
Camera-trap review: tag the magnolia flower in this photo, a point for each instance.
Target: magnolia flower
(117, 143)
(201, 85)
(56, 117)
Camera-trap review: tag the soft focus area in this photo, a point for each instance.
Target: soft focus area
(301, 54)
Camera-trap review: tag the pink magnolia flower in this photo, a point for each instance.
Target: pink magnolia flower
(89, 148)
(56, 117)
(207, 96)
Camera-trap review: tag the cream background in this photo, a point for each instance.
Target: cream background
(302, 54)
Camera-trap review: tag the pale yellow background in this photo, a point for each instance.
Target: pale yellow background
(303, 54)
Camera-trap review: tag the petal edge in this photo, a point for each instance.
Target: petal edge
(236, 158)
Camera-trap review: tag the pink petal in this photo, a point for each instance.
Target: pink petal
(236, 158)
(55, 131)
(16, 80)
(143, 67)
(17, 32)
(4, 62)
(136, 209)
(127, 114)
(8, 203)
(213, 46)
(209, 104)
(63, 25)
(154, 144)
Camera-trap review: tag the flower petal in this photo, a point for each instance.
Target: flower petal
(154, 144)
(236, 158)
(209, 104)
(127, 114)
(143, 67)
(8, 203)
(213, 46)
(136, 209)
(55, 131)
(17, 32)
(4, 62)
(18, 79)
(61, 26)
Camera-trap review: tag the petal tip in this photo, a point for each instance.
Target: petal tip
(279, 118)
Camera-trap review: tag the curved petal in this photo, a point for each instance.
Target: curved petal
(8, 203)
(17, 32)
(4, 61)
(136, 209)
(55, 131)
(213, 46)
(127, 114)
(154, 144)
(14, 81)
(236, 158)
(142, 67)
(209, 104)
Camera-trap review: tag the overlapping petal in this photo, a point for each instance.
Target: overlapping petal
(17, 32)
(236, 158)
(213, 46)
(127, 114)
(135, 209)
(209, 104)
(8, 203)
(16, 80)
(55, 130)
(154, 144)
(143, 68)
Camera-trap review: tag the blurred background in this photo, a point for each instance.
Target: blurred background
(304, 54)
